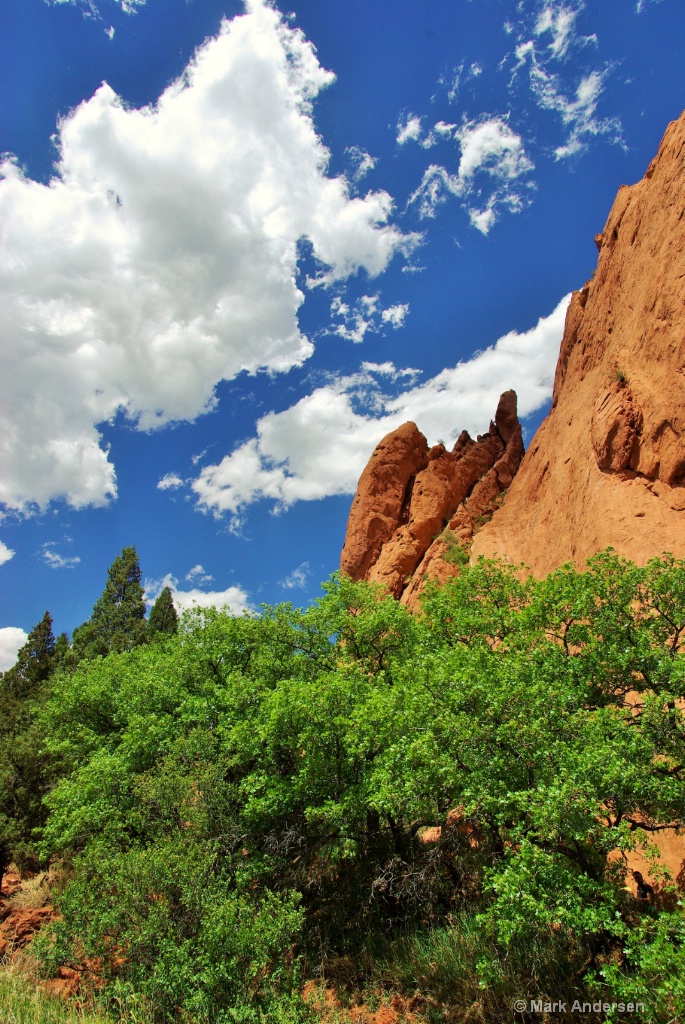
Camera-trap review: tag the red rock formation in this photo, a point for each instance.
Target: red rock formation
(383, 496)
(607, 467)
(18, 924)
(408, 494)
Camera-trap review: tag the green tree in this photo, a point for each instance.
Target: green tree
(35, 660)
(118, 620)
(284, 768)
(163, 615)
(22, 763)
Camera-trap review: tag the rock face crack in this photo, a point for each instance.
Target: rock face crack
(616, 428)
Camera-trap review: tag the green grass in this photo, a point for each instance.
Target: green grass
(22, 1001)
(441, 966)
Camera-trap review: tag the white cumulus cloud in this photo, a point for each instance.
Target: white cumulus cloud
(233, 599)
(5, 553)
(169, 482)
(162, 256)
(12, 639)
(395, 315)
(319, 446)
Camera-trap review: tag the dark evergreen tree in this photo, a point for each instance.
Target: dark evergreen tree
(35, 660)
(64, 658)
(118, 620)
(23, 766)
(163, 616)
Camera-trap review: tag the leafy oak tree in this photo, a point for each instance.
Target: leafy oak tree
(445, 802)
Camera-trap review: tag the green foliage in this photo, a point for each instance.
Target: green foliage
(652, 967)
(456, 553)
(163, 615)
(23, 768)
(165, 921)
(252, 796)
(118, 620)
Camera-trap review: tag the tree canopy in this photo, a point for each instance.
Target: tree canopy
(350, 782)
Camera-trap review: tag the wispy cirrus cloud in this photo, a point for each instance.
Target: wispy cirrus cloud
(548, 62)
(546, 39)
(367, 315)
(55, 560)
(361, 161)
(492, 162)
(297, 579)
(461, 75)
(556, 23)
(92, 9)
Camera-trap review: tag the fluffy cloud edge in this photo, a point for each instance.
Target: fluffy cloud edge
(145, 297)
(6, 553)
(12, 639)
(234, 599)
(318, 447)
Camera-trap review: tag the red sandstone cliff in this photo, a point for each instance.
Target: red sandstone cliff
(607, 466)
(409, 494)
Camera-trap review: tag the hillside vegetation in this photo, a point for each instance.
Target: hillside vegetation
(385, 803)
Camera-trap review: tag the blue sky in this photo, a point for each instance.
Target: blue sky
(240, 243)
